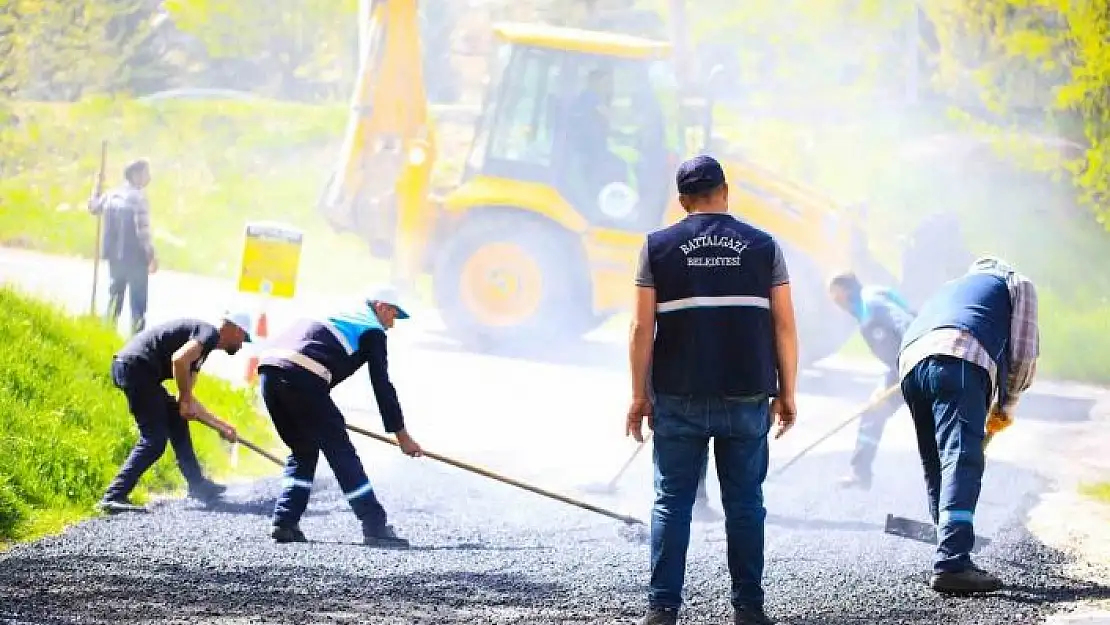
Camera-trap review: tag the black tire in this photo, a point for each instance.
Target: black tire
(822, 327)
(563, 310)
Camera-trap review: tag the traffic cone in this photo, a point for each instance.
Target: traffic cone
(261, 330)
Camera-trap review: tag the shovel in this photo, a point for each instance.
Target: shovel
(927, 532)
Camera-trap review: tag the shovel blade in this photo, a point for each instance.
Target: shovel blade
(922, 532)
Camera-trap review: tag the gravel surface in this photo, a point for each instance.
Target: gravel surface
(487, 553)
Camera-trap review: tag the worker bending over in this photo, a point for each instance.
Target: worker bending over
(713, 339)
(974, 342)
(173, 350)
(883, 317)
(296, 376)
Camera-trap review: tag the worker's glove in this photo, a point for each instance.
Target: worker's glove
(998, 420)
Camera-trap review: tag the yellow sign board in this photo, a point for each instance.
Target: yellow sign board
(271, 259)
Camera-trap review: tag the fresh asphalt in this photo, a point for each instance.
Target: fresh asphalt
(485, 552)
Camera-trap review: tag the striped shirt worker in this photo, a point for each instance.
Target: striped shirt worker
(964, 363)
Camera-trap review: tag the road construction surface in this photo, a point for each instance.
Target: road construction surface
(485, 552)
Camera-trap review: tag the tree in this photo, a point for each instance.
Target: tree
(297, 49)
(1044, 63)
(58, 50)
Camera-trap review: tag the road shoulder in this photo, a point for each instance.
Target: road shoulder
(1070, 521)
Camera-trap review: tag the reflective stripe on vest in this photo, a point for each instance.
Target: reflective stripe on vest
(719, 301)
(299, 359)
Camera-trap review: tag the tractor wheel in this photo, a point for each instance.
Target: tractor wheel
(511, 283)
(822, 327)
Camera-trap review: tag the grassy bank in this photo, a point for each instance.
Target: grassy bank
(217, 165)
(65, 429)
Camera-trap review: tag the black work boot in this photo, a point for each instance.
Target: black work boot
(383, 536)
(748, 615)
(206, 490)
(282, 534)
(969, 581)
(116, 505)
(660, 616)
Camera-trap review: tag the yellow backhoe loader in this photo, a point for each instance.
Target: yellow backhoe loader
(571, 164)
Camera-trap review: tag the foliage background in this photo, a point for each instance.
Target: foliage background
(994, 109)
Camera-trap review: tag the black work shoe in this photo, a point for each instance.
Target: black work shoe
(861, 481)
(383, 537)
(969, 581)
(118, 505)
(206, 490)
(704, 513)
(750, 616)
(283, 535)
(660, 616)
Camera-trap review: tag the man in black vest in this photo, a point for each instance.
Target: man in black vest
(964, 361)
(714, 327)
(883, 317)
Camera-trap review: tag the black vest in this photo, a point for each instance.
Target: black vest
(979, 304)
(713, 321)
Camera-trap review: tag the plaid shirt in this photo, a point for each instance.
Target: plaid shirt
(1024, 345)
(128, 197)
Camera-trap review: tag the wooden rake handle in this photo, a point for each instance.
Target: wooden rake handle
(504, 479)
(251, 446)
(885, 395)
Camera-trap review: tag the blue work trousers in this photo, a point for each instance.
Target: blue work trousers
(871, 426)
(159, 420)
(682, 431)
(948, 398)
(309, 422)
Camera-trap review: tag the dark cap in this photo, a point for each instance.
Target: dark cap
(699, 174)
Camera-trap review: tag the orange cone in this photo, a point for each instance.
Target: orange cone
(261, 330)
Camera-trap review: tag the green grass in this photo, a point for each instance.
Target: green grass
(65, 429)
(1099, 491)
(215, 167)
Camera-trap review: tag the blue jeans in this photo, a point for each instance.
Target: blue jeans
(683, 428)
(948, 398)
(309, 422)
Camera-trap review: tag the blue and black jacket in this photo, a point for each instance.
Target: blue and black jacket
(335, 347)
(883, 318)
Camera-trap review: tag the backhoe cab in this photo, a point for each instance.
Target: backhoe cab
(571, 163)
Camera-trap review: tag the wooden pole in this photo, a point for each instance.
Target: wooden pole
(98, 190)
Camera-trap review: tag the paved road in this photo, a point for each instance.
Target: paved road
(489, 553)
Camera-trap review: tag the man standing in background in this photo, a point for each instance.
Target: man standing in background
(713, 339)
(127, 243)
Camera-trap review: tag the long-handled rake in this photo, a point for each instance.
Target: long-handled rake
(631, 522)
